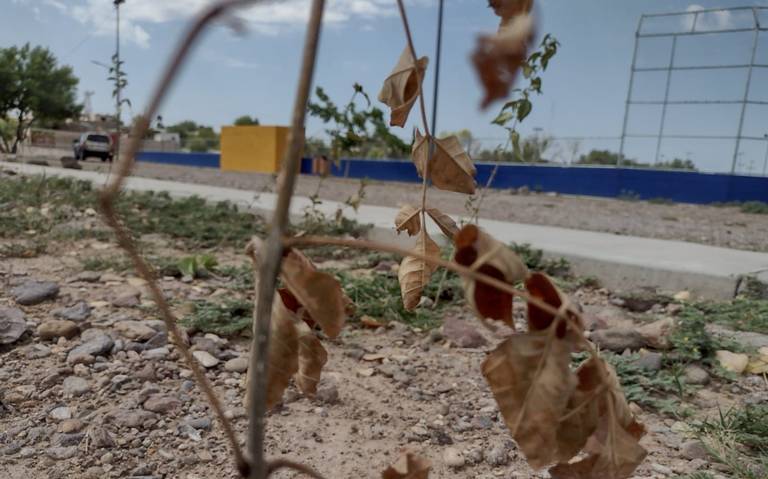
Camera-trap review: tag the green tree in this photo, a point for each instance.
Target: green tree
(198, 138)
(34, 88)
(354, 131)
(246, 120)
(602, 157)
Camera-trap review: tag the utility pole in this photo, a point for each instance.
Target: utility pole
(118, 74)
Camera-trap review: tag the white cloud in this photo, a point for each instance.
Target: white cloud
(717, 20)
(232, 62)
(269, 18)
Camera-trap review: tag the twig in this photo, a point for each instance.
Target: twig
(112, 189)
(272, 252)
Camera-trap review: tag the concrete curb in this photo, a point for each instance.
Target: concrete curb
(620, 262)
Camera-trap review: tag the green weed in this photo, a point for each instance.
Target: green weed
(535, 260)
(754, 207)
(104, 263)
(229, 317)
(740, 314)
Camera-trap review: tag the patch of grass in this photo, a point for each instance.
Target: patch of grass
(660, 390)
(740, 314)
(754, 207)
(535, 260)
(38, 203)
(23, 249)
(104, 263)
(229, 317)
(753, 288)
(241, 276)
(738, 439)
(378, 296)
(661, 201)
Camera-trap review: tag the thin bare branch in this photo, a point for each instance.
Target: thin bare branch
(271, 258)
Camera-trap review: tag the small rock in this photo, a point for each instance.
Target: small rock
(66, 440)
(497, 455)
(134, 330)
(157, 353)
(61, 453)
(88, 276)
(70, 425)
(60, 413)
(75, 386)
(12, 325)
(37, 351)
(694, 449)
(127, 297)
(161, 403)
(656, 334)
(462, 334)
(79, 312)
(158, 340)
(200, 423)
(34, 292)
(142, 470)
(237, 365)
(132, 418)
(96, 344)
(733, 362)
(57, 328)
(100, 438)
(617, 339)
(682, 296)
(649, 361)
(205, 358)
(147, 373)
(643, 299)
(695, 375)
(662, 469)
(328, 394)
(453, 458)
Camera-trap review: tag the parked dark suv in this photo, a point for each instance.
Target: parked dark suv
(93, 144)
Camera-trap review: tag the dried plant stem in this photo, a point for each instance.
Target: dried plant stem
(271, 258)
(423, 109)
(112, 189)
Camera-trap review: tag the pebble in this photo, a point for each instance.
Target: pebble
(205, 358)
(134, 330)
(34, 292)
(696, 375)
(328, 394)
(453, 458)
(662, 469)
(694, 449)
(135, 418)
(12, 325)
(161, 403)
(462, 333)
(156, 353)
(75, 386)
(127, 297)
(60, 413)
(57, 328)
(237, 365)
(70, 425)
(37, 351)
(497, 455)
(79, 312)
(100, 438)
(649, 361)
(95, 344)
(200, 423)
(61, 453)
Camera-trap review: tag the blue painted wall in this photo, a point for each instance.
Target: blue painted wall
(681, 186)
(207, 160)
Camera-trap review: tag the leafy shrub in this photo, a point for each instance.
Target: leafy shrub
(226, 318)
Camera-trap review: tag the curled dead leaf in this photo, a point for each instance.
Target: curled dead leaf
(498, 57)
(408, 219)
(283, 346)
(312, 358)
(414, 273)
(540, 286)
(614, 448)
(509, 9)
(408, 466)
(581, 415)
(531, 380)
(478, 250)
(318, 292)
(444, 222)
(450, 168)
(401, 87)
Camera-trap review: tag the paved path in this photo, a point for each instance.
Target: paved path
(618, 261)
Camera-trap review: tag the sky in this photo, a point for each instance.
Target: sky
(253, 69)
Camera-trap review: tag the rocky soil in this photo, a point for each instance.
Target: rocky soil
(90, 387)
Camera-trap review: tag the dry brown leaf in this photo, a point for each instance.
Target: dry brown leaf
(401, 87)
(614, 450)
(414, 273)
(312, 358)
(444, 222)
(509, 9)
(478, 250)
(539, 285)
(497, 58)
(531, 380)
(580, 419)
(319, 293)
(450, 169)
(408, 219)
(283, 344)
(408, 466)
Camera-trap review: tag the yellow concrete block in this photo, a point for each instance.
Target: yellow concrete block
(253, 148)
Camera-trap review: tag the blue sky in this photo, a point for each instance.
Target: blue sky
(255, 73)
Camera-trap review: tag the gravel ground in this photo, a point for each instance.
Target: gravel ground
(719, 226)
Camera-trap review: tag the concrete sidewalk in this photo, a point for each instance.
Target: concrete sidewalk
(618, 261)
